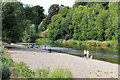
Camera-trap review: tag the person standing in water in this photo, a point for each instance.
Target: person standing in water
(85, 53)
(88, 54)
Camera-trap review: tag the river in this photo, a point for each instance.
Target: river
(101, 53)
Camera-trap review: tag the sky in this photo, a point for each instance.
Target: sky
(47, 3)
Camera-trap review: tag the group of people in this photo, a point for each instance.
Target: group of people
(86, 53)
(33, 46)
(38, 46)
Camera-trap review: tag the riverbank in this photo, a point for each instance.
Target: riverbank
(12, 69)
(80, 67)
(113, 44)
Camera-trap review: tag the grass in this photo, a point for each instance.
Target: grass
(61, 73)
(95, 43)
(5, 66)
(59, 41)
(43, 40)
(111, 72)
(98, 75)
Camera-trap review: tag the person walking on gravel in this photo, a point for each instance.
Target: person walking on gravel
(88, 54)
(85, 53)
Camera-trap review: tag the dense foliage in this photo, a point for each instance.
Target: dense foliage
(18, 21)
(87, 21)
(84, 21)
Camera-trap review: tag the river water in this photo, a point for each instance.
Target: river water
(101, 53)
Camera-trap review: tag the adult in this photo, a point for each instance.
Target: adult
(32, 45)
(49, 50)
(87, 54)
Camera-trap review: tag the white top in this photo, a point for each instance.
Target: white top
(85, 52)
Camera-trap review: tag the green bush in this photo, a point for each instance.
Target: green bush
(97, 43)
(44, 40)
(5, 68)
(41, 73)
(115, 43)
(59, 41)
(21, 70)
(108, 44)
(61, 73)
(90, 43)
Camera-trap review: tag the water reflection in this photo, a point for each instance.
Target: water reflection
(101, 53)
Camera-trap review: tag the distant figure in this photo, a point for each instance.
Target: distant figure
(36, 46)
(28, 46)
(85, 53)
(49, 50)
(33, 46)
(91, 57)
(88, 54)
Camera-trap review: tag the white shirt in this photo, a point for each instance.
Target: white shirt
(85, 52)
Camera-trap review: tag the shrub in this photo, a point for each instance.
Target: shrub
(59, 41)
(70, 42)
(64, 42)
(61, 73)
(97, 43)
(41, 73)
(90, 43)
(94, 44)
(115, 43)
(21, 70)
(5, 70)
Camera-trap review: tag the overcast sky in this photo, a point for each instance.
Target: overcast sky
(47, 3)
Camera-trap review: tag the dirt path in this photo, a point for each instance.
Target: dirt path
(80, 67)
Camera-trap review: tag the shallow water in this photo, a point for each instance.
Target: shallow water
(101, 53)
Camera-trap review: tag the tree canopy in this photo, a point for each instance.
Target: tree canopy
(85, 21)
(18, 19)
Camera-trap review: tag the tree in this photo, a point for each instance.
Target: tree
(78, 3)
(40, 16)
(13, 22)
(92, 21)
(52, 11)
(111, 32)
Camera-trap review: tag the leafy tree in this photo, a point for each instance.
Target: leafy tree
(52, 11)
(40, 16)
(17, 21)
(55, 29)
(30, 34)
(111, 32)
(29, 13)
(78, 3)
(13, 22)
(89, 21)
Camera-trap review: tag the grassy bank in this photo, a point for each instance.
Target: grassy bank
(11, 69)
(113, 44)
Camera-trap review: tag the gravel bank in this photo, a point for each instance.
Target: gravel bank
(80, 67)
